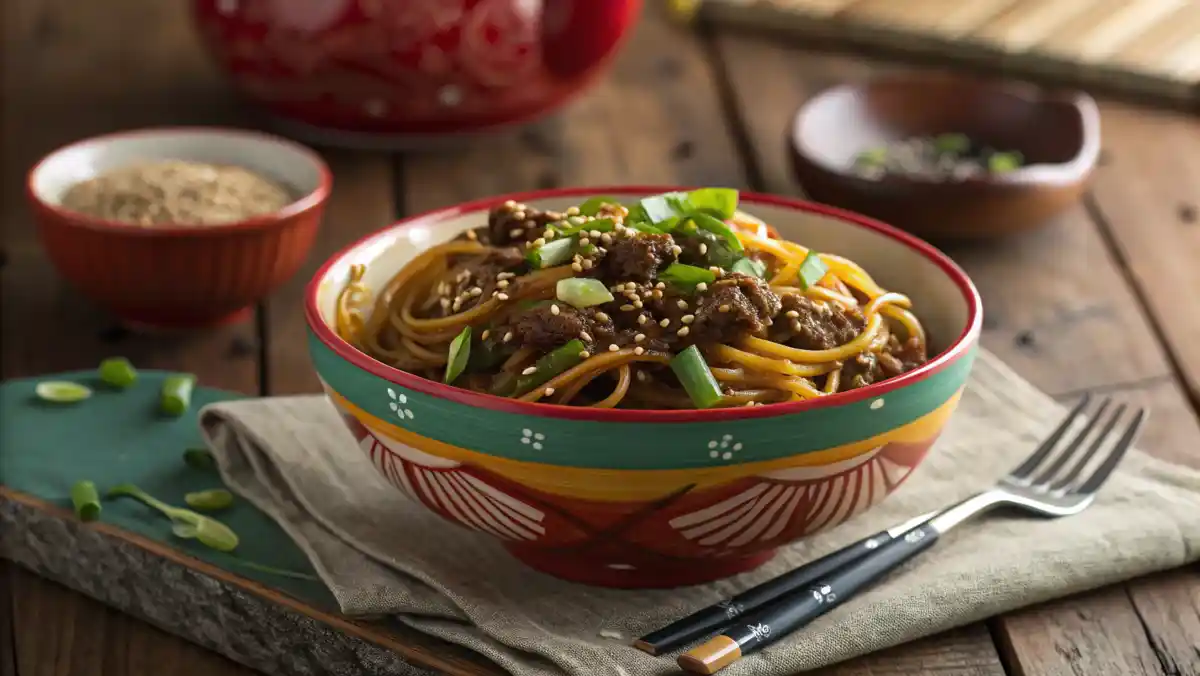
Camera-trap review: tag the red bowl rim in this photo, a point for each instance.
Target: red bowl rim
(957, 349)
(309, 201)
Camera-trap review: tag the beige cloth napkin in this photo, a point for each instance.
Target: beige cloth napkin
(381, 554)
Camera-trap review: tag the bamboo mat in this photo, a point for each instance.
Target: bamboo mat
(1141, 47)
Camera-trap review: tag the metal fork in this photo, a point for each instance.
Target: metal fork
(1046, 484)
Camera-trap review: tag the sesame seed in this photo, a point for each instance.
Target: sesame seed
(626, 307)
(472, 236)
(576, 267)
(750, 403)
(485, 334)
(595, 233)
(519, 215)
(677, 250)
(612, 347)
(502, 284)
(584, 354)
(642, 319)
(631, 286)
(606, 238)
(502, 296)
(506, 275)
(702, 287)
(548, 234)
(724, 308)
(637, 304)
(445, 302)
(516, 232)
(587, 264)
(476, 291)
(529, 371)
(682, 332)
(687, 319)
(540, 241)
(575, 220)
(791, 313)
(715, 270)
(601, 317)
(585, 336)
(584, 241)
(549, 391)
(641, 375)
(530, 224)
(554, 309)
(665, 323)
(554, 215)
(572, 211)
(703, 248)
(639, 337)
(507, 337)
(457, 304)
(657, 294)
(639, 350)
(660, 285)
(510, 204)
(682, 304)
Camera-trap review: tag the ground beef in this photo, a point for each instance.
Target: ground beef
(638, 258)
(512, 223)
(732, 307)
(816, 325)
(457, 292)
(896, 359)
(543, 329)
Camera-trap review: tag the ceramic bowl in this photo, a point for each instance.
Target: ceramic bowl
(1057, 132)
(650, 498)
(179, 276)
(396, 73)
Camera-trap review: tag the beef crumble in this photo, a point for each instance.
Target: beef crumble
(815, 325)
(734, 306)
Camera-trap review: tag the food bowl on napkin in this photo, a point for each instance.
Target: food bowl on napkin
(649, 498)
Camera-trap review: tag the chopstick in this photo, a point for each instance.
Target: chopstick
(721, 614)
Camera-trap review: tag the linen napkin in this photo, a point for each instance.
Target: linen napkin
(381, 554)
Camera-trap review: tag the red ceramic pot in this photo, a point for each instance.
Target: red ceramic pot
(370, 72)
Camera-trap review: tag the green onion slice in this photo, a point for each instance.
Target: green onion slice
(582, 292)
(719, 228)
(62, 391)
(86, 500)
(209, 500)
(1001, 163)
(118, 372)
(592, 205)
(720, 202)
(687, 276)
(597, 224)
(176, 394)
(811, 270)
(551, 254)
(648, 229)
(697, 379)
(551, 364)
(951, 144)
(460, 352)
(751, 268)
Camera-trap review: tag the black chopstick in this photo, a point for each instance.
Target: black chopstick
(721, 614)
(767, 625)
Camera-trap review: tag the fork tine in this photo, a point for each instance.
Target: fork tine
(1073, 447)
(1082, 464)
(1051, 441)
(1102, 472)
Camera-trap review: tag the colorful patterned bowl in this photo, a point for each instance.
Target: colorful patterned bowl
(394, 73)
(651, 498)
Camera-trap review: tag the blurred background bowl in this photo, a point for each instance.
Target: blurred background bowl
(171, 276)
(1058, 133)
(389, 73)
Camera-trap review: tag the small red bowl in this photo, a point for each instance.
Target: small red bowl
(177, 276)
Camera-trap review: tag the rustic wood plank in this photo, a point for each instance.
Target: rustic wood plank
(1168, 605)
(8, 646)
(1146, 198)
(968, 651)
(362, 201)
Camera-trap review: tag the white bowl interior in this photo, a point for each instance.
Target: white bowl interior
(290, 164)
(937, 300)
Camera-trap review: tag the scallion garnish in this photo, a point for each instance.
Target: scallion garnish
(720, 202)
(209, 500)
(697, 379)
(592, 205)
(648, 229)
(62, 391)
(184, 522)
(597, 224)
(718, 228)
(811, 270)
(552, 364)
(582, 292)
(751, 268)
(117, 372)
(460, 352)
(176, 395)
(1000, 163)
(551, 254)
(86, 500)
(686, 276)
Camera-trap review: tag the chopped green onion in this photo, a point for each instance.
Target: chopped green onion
(872, 157)
(811, 270)
(592, 205)
(1001, 163)
(210, 500)
(719, 228)
(184, 522)
(597, 224)
(687, 276)
(648, 229)
(485, 355)
(552, 364)
(118, 372)
(177, 393)
(582, 292)
(86, 501)
(551, 254)
(720, 202)
(460, 352)
(751, 268)
(697, 379)
(719, 253)
(62, 391)
(663, 207)
(199, 458)
(951, 144)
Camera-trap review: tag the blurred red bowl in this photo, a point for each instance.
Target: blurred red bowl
(397, 72)
(177, 276)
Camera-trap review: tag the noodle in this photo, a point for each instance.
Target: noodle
(819, 326)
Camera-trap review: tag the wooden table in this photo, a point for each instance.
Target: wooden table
(1104, 300)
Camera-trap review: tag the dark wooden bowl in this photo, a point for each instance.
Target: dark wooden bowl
(1057, 132)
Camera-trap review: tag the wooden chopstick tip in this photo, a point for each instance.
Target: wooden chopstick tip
(711, 656)
(648, 648)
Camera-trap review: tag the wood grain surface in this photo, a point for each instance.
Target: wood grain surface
(1102, 301)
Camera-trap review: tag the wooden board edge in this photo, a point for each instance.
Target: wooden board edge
(273, 626)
